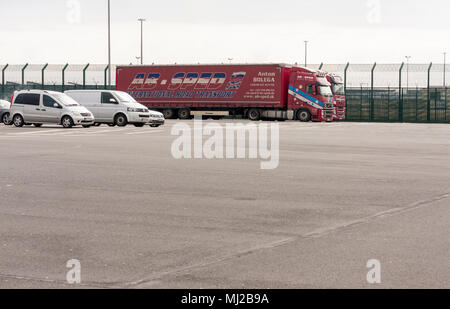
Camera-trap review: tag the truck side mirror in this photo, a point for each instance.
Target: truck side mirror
(113, 101)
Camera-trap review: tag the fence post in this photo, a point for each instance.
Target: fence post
(428, 94)
(372, 103)
(345, 89)
(23, 74)
(106, 76)
(64, 77)
(400, 90)
(3, 77)
(321, 66)
(84, 75)
(43, 75)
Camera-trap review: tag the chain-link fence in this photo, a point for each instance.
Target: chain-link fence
(374, 92)
(54, 77)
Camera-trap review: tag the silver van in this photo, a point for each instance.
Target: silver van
(39, 106)
(113, 107)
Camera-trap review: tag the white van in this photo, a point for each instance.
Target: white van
(113, 107)
(40, 106)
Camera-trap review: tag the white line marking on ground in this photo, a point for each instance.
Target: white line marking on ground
(145, 132)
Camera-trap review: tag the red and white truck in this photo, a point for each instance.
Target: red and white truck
(338, 88)
(254, 91)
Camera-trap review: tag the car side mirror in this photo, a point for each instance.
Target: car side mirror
(56, 105)
(113, 101)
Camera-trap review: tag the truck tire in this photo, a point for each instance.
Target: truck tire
(121, 120)
(18, 121)
(254, 114)
(184, 114)
(304, 115)
(169, 113)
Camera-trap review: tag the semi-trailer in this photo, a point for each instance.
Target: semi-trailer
(253, 91)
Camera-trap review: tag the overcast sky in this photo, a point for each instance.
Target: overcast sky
(191, 31)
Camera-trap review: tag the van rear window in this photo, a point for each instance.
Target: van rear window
(28, 99)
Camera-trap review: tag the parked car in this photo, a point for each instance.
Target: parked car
(4, 112)
(39, 106)
(115, 108)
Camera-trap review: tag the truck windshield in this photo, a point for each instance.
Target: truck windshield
(325, 91)
(338, 89)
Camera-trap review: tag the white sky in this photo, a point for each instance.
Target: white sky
(191, 31)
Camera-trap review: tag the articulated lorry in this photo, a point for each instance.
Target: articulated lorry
(254, 91)
(338, 88)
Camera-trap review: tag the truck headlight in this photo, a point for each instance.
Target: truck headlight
(131, 109)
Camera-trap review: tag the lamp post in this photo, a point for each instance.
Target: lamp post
(306, 53)
(407, 72)
(109, 43)
(141, 20)
(445, 63)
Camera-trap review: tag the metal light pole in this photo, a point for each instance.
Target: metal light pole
(306, 53)
(142, 39)
(445, 62)
(109, 43)
(407, 72)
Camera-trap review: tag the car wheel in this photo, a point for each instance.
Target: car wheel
(67, 122)
(6, 120)
(121, 120)
(254, 115)
(304, 115)
(18, 121)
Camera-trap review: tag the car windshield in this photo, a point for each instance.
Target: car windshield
(124, 97)
(325, 91)
(338, 89)
(65, 99)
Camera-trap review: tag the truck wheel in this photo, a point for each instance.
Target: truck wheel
(67, 122)
(303, 115)
(254, 115)
(184, 114)
(18, 121)
(169, 113)
(121, 120)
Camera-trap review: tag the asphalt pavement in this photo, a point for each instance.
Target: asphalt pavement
(118, 201)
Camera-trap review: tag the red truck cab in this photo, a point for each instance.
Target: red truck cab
(338, 88)
(310, 95)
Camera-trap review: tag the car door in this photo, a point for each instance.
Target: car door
(50, 110)
(108, 107)
(32, 108)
